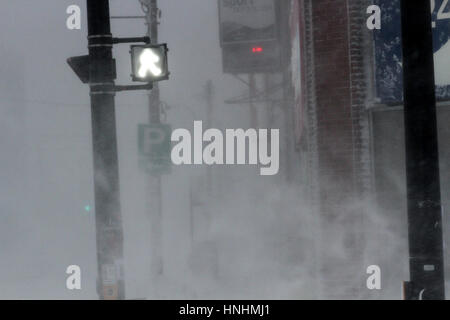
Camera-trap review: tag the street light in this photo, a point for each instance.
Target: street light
(149, 63)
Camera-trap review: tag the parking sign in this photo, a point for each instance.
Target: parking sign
(154, 147)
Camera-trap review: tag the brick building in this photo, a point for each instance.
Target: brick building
(331, 129)
(354, 148)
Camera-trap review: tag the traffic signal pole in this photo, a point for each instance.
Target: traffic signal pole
(98, 69)
(110, 283)
(422, 158)
(151, 11)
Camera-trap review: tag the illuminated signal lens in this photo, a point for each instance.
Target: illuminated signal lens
(149, 63)
(257, 49)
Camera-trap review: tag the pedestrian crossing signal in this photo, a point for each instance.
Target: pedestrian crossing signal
(149, 63)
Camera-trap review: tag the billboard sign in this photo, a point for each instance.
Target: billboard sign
(388, 51)
(249, 36)
(247, 21)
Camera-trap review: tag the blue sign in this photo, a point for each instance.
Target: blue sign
(388, 50)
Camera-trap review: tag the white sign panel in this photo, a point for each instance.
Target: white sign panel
(247, 20)
(109, 274)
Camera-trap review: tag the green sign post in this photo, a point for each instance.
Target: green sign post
(155, 147)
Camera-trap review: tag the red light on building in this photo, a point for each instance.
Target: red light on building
(257, 49)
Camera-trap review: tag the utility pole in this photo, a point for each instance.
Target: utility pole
(422, 157)
(209, 90)
(252, 94)
(269, 103)
(108, 218)
(150, 8)
(209, 94)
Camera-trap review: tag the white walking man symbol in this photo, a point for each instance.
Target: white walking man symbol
(148, 60)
